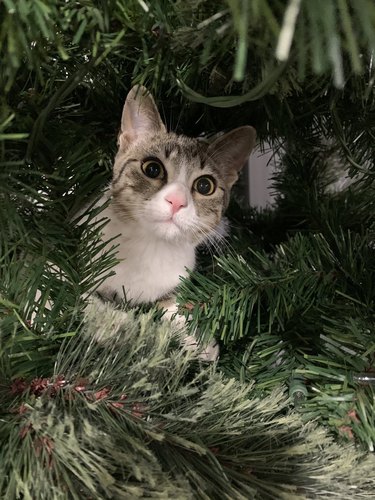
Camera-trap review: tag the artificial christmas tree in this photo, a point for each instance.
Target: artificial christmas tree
(290, 293)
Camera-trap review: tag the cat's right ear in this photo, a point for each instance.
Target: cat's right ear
(140, 117)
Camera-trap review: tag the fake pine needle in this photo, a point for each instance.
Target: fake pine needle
(290, 297)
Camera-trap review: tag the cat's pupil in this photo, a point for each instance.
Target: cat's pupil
(204, 185)
(152, 169)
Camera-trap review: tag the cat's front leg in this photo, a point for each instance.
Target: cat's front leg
(208, 352)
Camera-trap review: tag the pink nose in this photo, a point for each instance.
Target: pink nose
(177, 200)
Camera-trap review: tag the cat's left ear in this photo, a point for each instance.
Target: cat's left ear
(140, 117)
(231, 151)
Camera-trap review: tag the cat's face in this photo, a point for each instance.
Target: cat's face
(173, 186)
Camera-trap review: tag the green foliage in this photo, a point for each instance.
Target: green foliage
(291, 295)
(321, 35)
(43, 281)
(136, 416)
(304, 307)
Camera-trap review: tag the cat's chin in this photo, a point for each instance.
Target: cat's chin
(168, 230)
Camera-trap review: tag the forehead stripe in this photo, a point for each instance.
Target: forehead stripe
(114, 181)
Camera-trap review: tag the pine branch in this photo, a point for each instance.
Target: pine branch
(134, 416)
(43, 282)
(305, 310)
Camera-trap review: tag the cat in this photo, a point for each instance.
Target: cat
(167, 196)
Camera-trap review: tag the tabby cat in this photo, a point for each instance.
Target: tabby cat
(167, 195)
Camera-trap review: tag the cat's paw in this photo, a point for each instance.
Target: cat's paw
(208, 352)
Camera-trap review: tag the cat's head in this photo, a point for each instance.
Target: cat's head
(173, 186)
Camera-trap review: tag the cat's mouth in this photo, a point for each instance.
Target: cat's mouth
(169, 221)
(172, 223)
(168, 229)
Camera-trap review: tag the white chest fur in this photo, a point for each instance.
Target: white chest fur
(149, 267)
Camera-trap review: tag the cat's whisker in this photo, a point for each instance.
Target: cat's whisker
(212, 237)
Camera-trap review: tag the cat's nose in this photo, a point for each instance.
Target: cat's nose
(177, 200)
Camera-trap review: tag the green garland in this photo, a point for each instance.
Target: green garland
(134, 415)
(291, 294)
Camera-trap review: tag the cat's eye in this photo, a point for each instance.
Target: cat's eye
(205, 185)
(153, 169)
